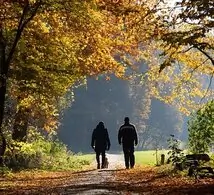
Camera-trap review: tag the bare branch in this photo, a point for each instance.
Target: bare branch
(33, 13)
(184, 51)
(205, 53)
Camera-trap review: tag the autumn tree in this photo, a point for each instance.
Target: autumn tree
(139, 93)
(179, 72)
(83, 40)
(47, 46)
(196, 16)
(8, 43)
(26, 27)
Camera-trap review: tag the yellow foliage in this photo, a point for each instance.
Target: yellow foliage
(66, 41)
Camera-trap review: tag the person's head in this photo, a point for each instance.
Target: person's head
(126, 120)
(101, 125)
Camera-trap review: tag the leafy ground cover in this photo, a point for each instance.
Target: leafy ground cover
(144, 180)
(30, 180)
(153, 180)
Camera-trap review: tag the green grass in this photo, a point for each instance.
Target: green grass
(87, 157)
(141, 157)
(149, 157)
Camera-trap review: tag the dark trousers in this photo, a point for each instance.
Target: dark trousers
(129, 156)
(102, 153)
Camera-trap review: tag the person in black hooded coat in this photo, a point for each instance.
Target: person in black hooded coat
(100, 142)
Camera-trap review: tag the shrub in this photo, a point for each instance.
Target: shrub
(176, 155)
(201, 129)
(41, 152)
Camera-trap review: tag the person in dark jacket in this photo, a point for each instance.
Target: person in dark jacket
(100, 142)
(127, 135)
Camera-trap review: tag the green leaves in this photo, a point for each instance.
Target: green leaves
(201, 129)
(176, 155)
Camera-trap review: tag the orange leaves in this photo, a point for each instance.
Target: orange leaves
(142, 180)
(29, 182)
(64, 43)
(148, 180)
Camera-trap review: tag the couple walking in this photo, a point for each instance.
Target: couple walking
(127, 136)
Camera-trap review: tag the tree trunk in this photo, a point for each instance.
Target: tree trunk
(20, 125)
(3, 80)
(5, 62)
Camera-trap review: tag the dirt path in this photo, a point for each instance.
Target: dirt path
(116, 161)
(97, 182)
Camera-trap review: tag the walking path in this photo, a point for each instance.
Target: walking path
(90, 182)
(97, 182)
(116, 161)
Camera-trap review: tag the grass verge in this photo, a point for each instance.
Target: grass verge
(149, 157)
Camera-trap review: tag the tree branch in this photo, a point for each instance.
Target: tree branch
(21, 26)
(205, 53)
(17, 37)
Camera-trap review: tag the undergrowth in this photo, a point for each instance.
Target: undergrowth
(40, 152)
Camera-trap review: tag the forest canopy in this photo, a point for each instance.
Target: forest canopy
(48, 48)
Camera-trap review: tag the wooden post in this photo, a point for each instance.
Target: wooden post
(162, 159)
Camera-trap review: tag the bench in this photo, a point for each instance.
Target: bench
(194, 164)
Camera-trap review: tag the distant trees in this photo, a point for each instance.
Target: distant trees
(99, 100)
(154, 119)
(110, 101)
(201, 129)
